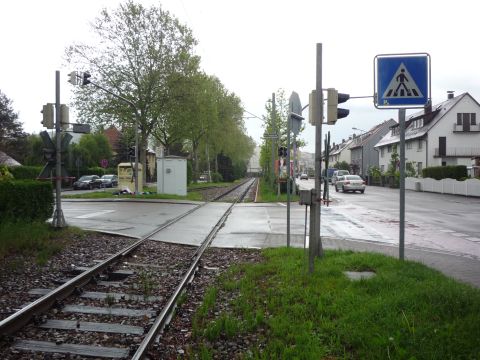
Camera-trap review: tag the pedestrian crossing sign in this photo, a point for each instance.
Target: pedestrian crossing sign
(402, 81)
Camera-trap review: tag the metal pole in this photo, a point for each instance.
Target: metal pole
(289, 127)
(401, 244)
(315, 246)
(58, 220)
(294, 186)
(273, 140)
(318, 153)
(136, 153)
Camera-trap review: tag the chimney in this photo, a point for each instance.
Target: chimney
(450, 94)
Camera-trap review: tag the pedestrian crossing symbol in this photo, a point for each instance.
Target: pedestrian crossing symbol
(402, 85)
(402, 81)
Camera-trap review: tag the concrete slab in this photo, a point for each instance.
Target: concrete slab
(193, 230)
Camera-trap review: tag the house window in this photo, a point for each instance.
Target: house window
(459, 118)
(382, 151)
(473, 119)
(382, 168)
(420, 144)
(389, 148)
(409, 144)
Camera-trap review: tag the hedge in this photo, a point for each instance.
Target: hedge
(25, 172)
(27, 200)
(456, 172)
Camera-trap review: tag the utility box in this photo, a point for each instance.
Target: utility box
(172, 175)
(126, 178)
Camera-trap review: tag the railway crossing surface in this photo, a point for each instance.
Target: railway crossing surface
(252, 225)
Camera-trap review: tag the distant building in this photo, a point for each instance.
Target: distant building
(114, 137)
(447, 133)
(363, 152)
(253, 166)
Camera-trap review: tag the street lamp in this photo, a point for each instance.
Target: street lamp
(354, 128)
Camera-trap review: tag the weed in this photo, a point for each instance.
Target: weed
(109, 300)
(146, 283)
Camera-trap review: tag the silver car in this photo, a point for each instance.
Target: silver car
(350, 183)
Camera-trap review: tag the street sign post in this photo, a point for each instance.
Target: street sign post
(402, 81)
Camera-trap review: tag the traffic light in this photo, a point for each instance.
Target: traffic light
(85, 78)
(72, 78)
(333, 112)
(48, 116)
(64, 116)
(131, 151)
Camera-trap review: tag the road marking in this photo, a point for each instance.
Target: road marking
(281, 204)
(101, 212)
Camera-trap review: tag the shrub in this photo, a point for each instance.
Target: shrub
(442, 172)
(25, 172)
(27, 200)
(216, 177)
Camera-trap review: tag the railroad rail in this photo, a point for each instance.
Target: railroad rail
(55, 298)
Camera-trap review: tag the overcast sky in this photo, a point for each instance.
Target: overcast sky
(256, 47)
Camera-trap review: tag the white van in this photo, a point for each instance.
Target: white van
(338, 173)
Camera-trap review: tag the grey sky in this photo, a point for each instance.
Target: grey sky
(256, 47)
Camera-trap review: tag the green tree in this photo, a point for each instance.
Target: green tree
(341, 165)
(138, 52)
(90, 150)
(34, 151)
(276, 123)
(12, 136)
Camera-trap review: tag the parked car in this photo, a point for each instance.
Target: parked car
(350, 183)
(87, 182)
(303, 176)
(109, 180)
(338, 173)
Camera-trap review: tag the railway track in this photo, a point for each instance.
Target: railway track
(114, 309)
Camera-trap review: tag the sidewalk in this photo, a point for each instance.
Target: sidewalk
(460, 268)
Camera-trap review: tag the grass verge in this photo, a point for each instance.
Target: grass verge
(407, 311)
(191, 194)
(36, 239)
(266, 193)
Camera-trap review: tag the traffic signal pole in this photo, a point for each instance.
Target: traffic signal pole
(58, 220)
(315, 244)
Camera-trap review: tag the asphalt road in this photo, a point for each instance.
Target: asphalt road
(436, 221)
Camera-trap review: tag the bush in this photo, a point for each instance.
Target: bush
(26, 200)
(25, 172)
(442, 172)
(216, 177)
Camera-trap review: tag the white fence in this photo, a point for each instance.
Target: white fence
(470, 187)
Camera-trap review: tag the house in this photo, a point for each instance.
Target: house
(444, 134)
(7, 160)
(340, 152)
(363, 152)
(114, 137)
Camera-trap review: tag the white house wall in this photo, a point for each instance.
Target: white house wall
(457, 140)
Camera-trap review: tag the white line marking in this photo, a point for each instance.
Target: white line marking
(101, 212)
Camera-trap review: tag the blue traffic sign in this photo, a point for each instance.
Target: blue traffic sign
(402, 80)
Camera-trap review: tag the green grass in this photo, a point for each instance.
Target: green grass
(268, 194)
(33, 239)
(194, 186)
(407, 311)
